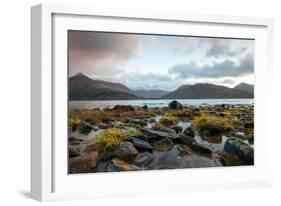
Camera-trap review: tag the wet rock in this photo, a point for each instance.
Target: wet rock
(145, 107)
(187, 140)
(153, 135)
(124, 108)
(143, 159)
(175, 105)
(126, 151)
(152, 120)
(167, 129)
(107, 120)
(189, 131)
(73, 151)
(163, 145)
(211, 132)
(84, 128)
(104, 166)
(120, 165)
(139, 122)
(243, 151)
(87, 162)
(165, 160)
(140, 143)
(107, 155)
(177, 129)
(200, 148)
(228, 159)
(174, 159)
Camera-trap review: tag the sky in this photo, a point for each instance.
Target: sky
(142, 61)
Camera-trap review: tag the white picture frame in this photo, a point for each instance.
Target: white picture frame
(49, 179)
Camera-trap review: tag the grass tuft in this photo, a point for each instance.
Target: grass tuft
(108, 141)
(169, 119)
(211, 122)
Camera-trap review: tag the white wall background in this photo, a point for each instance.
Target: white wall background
(15, 95)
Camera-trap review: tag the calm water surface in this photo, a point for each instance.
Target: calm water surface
(156, 103)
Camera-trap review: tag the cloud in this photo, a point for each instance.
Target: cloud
(212, 47)
(226, 68)
(138, 80)
(219, 47)
(100, 53)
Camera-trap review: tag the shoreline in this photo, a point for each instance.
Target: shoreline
(125, 137)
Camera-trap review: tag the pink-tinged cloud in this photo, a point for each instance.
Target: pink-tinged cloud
(100, 53)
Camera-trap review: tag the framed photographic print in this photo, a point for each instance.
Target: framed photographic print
(134, 102)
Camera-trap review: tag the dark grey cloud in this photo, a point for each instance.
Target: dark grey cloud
(100, 53)
(226, 68)
(222, 48)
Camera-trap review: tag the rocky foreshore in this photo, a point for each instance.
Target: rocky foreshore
(128, 138)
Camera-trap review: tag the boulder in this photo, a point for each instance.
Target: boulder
(187, 140)
(84, 128)
(120, 165)
(228, 159)
(163, 145)
(140, 143)
(104, 166)
(200, 148)
(175, 105)
(167, 129)
(73, 151)
(211, 132)
(176, 128)
(143, 159)
(240, 149)
(84, 163)
(145, 107)
(189, 131)
(107, 155)
(153, 135)
(175, 159)
(126, 151)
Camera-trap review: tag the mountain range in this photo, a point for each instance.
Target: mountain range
(82, 87)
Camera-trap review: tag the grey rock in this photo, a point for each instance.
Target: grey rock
(163, 145)
(187, 140)
(140, 143)
(175, 159)
(84, 128)
(73, 151)
(126, 151)
(143, 159)
(189, 131)
(243, 151)
(138, 122)
(120, 165)
(107, 155)
(175, 105)
(177, 129)
(200, 148)
(152, 135)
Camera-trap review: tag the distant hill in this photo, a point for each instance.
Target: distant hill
(150, 94)
(249, 88)
(82, 87)
(205, 91)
